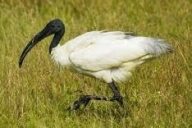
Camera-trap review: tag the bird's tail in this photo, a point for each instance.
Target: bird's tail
(156, 47)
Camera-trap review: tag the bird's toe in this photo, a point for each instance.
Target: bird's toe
(83, 100)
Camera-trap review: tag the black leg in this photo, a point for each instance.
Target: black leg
(84, 100)
(117, 96)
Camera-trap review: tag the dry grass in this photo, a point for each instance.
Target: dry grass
(158, 95)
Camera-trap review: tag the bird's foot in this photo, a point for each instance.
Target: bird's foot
(83, 100)
(119, 99)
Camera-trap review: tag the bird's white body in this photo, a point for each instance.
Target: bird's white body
(107, 55)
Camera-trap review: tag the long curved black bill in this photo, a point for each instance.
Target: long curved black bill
(37, 38)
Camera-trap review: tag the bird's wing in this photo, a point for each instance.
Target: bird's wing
(95, 37)
(111, 52)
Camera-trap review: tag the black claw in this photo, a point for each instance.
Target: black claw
(83, 100)
(76, 105)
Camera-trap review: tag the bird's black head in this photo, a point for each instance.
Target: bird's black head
(55, 27)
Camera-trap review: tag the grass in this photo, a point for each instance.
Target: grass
(159, 94)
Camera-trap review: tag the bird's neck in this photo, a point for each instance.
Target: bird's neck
(56, 39)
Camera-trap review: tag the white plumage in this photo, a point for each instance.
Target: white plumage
(108, 55)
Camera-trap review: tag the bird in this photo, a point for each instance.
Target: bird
(110, 56)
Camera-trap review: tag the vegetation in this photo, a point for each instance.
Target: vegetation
(159, 94)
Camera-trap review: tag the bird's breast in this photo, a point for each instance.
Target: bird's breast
(60, 56)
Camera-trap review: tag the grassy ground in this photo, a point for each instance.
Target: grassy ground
(158, 95)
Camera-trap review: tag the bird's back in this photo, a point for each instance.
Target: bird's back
(111, 49)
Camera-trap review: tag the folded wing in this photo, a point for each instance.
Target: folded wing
(111, 50)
